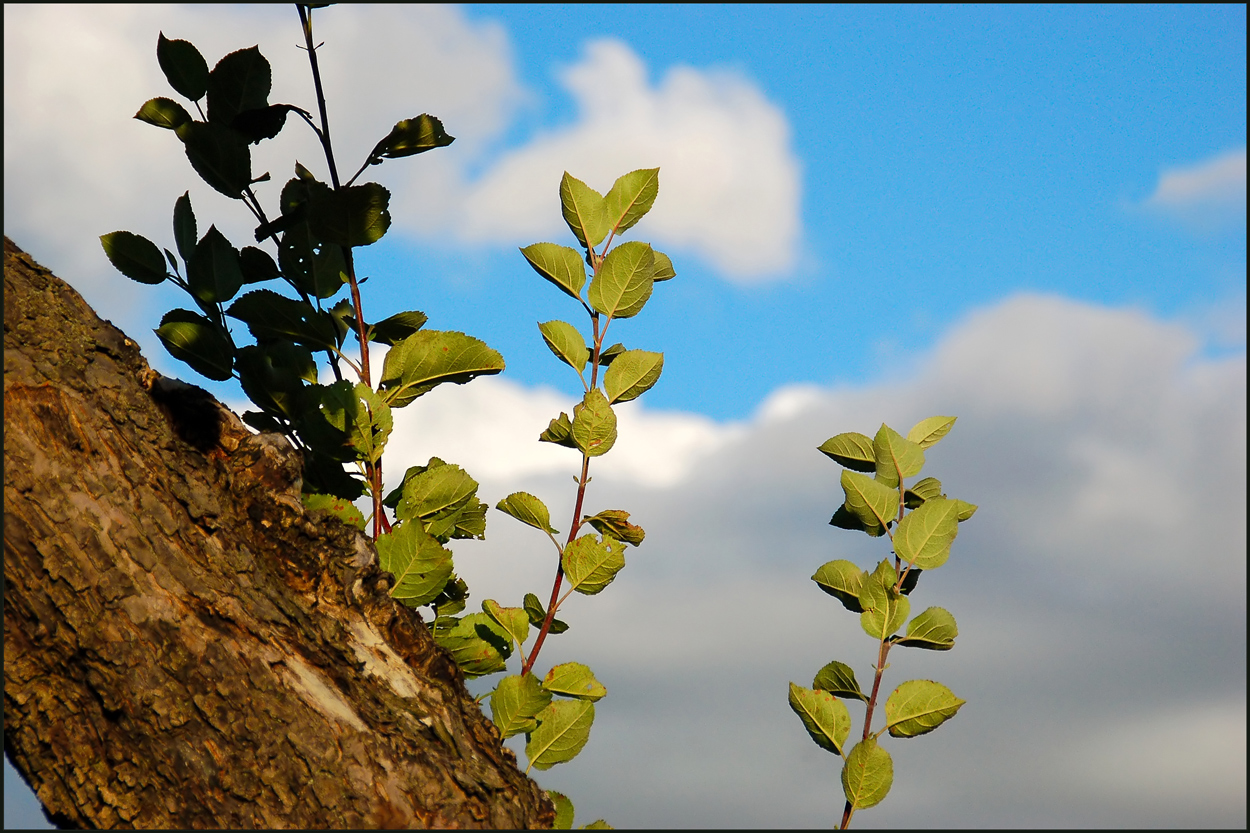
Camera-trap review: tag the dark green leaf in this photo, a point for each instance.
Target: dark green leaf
(219, 155)
(272, 376)
(184, 67)
(397, 327)
(355, 216)
(257, 265)
(214, 273)
(135, 256)
(240, 81)
(412, 136)
(263, 122)
(185, 234)
(194, 339)
(163, 112)
(272, 317)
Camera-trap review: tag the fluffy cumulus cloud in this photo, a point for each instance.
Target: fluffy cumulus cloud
(1099, 590)
(729, 179)
(1206, 195)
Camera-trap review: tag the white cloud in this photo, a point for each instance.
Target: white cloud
(1204, 195)
(1100, 589)
(730, 183)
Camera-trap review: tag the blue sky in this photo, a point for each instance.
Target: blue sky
(1032, 218)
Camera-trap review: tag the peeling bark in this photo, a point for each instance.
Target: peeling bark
(184, 645)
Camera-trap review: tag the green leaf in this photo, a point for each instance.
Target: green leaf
(240, 81)
(219, 155)
(263, 122)
(631, 197)
(921, 491)
(476, 643)
(928, 431)
(443, 497)
(163, 112)
(566, 342)
(271, 375)
(663, 268)
(419, 563)
(564, 810)
(513, 620)
(371, 425)
(925, 535)
(397, 327)
(135, 256)
(873, 502)
(824, 716)
(184, 67)
(852, 449)
(563, 729)
(615, 523)
(591, 563)
(597, 824)
(632, 374)
(964, 510)
(452, 600)
(623, 283)
(842, 580)
(933, 630)
(428, 358)
(513, 704)
(270, 317)
(559, 431)
(185, 234)
(318, 270)
(257, 265)
(896, 457)
(572, 679)
(342, 509)
(584, 210)
(559, 264)
(354, 216)
(214, 273)
(839, 680)
(194, 339)
(594, 424)
(410, 137)
(917, 707)
(537, 613)
(608, 354)
(885, 609)
(528, 510)
(867, 774)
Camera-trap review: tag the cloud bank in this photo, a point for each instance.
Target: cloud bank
(1100, 589)
(1206, 195)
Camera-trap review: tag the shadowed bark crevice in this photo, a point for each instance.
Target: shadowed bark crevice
(185, 645)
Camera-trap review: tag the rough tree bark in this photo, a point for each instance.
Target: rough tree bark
(184, 645)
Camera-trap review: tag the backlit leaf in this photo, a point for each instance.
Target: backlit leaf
(219, 155)
(528, 510)
(184, 67)
(623, 283)
(566, 342)
(419, 563)
(928, 431)
(964, 510)
(428, 358)
(185, 234)
(917, 707)
(925, 535)
(824, 716)
(591, 563)
(270, 316)
(355, 216)
(584, 211)
(867, 774)
(135, 256)
(214, 273)
(257, 265)
(630, 198)
(839, 679)
(842, 580)
(563, 729)
(896, 457)
(573, 679)
(195, 340)
(412, 136)
(513, 704)
(632, 374)
(163, 112)
(852, 449)
(663, 268)
(240, 81)
(594, 424)
(559, 264)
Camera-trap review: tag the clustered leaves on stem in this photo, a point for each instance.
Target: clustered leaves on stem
(921, 522)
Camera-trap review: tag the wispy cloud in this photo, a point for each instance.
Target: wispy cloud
(1206, 194)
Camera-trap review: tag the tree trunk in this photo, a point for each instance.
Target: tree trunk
(184, 645)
